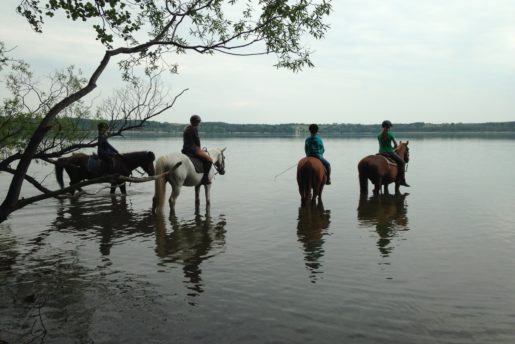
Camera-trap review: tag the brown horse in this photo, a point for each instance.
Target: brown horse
(311, 178)
(77, 168)
(380, 170)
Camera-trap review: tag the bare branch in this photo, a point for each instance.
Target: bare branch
(30, 179)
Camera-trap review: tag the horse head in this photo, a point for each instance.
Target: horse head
(403, 150)
(144, 159)
(219, 161)
(148, 163)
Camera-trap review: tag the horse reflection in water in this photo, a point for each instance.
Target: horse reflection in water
(110, 221)
(312, 226)
(190, 243)
(388, 214)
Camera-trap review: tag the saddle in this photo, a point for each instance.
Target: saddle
(197, 163)
(95, 164)
(388, 158)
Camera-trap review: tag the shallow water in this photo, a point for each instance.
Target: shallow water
(434, 265)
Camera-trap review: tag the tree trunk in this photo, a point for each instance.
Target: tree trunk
(11, 199)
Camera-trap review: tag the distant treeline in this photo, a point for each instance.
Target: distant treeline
(299, 129)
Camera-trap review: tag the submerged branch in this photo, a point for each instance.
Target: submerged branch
(103, 179)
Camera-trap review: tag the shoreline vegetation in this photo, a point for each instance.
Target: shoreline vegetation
(88, 128)
(496, 129)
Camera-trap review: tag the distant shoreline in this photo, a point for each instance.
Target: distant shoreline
(343, 130)
(401, 134)
(328, 130)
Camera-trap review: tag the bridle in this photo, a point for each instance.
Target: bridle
(219, 166)
(405, 156)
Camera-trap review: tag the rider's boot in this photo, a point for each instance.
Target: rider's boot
(403, 183)
(328, 181)
(402, 178)
(205, 178)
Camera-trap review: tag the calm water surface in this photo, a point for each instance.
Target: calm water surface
(436, 265)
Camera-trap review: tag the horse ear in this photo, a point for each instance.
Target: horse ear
(223, 149)
(407, 142)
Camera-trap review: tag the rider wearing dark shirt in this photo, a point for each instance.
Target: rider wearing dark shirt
(105, 151)
(191, 146)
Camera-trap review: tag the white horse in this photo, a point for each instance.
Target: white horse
(182, 173)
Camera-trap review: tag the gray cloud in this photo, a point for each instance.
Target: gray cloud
(437, 61)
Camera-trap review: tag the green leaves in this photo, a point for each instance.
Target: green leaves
(237, 27)
(30, 99)
(112, 16)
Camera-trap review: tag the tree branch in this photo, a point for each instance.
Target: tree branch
(30, 179)
(116, 178)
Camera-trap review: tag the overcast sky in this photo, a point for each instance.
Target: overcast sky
(408, 61)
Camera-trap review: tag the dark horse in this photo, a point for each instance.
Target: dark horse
(77, 168)
(311, 178)
(380, 170)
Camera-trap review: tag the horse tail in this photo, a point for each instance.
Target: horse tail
(59, 167)
(305, 181)
(160, 183)
(363, 179)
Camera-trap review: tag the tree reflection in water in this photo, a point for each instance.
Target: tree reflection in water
(190, 243)
(388, 215)
(313, 222)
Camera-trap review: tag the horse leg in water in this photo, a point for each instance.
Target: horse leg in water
(397, 188)
(377, 185)
(207, 189)
(176, 190)
(386, 192)
(123, 190)
(197, 196)
(74, 178)
(363, 183)
(317, 192)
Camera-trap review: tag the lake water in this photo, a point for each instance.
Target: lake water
(436, 265)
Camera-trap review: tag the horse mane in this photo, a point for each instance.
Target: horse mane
(402, 146)
(139, 155)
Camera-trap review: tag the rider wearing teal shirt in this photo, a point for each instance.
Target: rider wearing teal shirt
(386, 139)
(314, 147)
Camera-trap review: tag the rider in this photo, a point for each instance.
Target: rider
(105, 151)
(191, 146)
(314, 147)
(386, 138)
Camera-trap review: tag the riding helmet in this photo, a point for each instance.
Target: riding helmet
(195, 119)
(387, 124)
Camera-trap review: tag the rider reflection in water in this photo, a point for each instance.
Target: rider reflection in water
(314, 147)
(191, 146)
